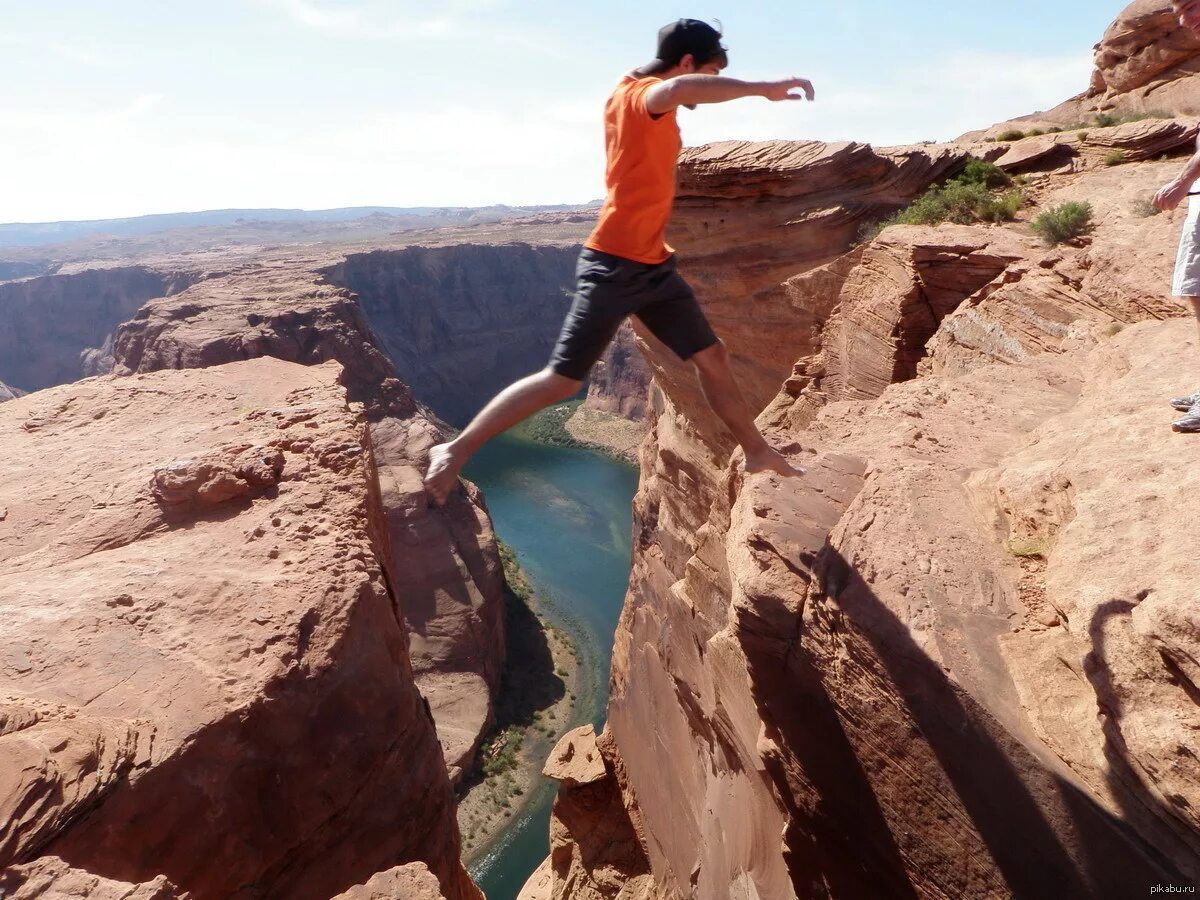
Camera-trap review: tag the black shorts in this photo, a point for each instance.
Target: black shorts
(607, 289)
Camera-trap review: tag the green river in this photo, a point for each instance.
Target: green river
(567, 514)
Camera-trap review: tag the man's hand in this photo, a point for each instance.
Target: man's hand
(1171, 195)
(784, 90)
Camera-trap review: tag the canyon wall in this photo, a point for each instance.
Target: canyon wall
(52, 321)
(445, 569)
(956, 657)
(443, 312)
(206, 684)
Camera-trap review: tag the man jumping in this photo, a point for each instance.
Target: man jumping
(626, 268)
(1187, 266)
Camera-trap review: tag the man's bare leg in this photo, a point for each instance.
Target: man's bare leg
(515, 403)
(725, 398)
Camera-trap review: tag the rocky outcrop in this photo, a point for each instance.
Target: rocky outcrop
(440, 312)
(595, 853)
(1145, 61)
(927, 667)
(1145, 64)
(411, 882)
(7, 393)
(51, 324)
(446, 572)
(620, 382)
(49, 878)
(206, 676)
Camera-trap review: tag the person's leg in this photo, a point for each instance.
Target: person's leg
(723, 395)
(515, 403)
(672, 314)
(1191, 404)
(596, 313)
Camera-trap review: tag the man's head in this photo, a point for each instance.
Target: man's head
(689, 46)
(1188, 12)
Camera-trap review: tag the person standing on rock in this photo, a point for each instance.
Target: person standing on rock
(626, 268)
(1187, 265)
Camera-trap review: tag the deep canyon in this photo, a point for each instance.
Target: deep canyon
(957, 658)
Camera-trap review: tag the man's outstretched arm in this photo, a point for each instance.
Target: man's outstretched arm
(689, 90)
(1172, 193)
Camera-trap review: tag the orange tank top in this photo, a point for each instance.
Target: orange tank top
(642, 154)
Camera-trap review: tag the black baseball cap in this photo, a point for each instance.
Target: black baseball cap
(677, 40)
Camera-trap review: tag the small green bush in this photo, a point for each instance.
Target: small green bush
(967, 198)
(1104, 120)
(1036, 132)
(1011, 134)
(1063, 222)
(1083, 136)
(1114, 157)
(985, 173)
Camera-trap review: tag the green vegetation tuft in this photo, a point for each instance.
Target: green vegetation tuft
(499, 755)
(972, 196)
(1104, 120)
(979, 172)
(1063, 222)
(1114, 157)
(1011, 134)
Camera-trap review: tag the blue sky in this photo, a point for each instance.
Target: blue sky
(137, 107)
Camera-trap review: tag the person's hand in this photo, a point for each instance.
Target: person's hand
(1170, 195)
(787, 89)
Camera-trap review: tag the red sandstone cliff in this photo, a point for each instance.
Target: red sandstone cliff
(957, 658)
(205, 674)
(445, 569)
(51, 323)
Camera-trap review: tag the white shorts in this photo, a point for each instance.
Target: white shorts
(1187, 266)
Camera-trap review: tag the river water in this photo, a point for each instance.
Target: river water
(567, 515)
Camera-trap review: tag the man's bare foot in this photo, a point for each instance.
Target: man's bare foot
(768, 459)
(442, 475)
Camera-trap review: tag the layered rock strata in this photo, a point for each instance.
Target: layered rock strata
(206, 676)
(926, 668)
(448, 315)
(1144, 64)
(446, 572)
(52, 325)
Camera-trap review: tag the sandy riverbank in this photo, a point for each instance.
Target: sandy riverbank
(536, 706)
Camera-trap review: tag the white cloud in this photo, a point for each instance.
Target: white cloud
(67, 52)
(381, 21)
(131, 159)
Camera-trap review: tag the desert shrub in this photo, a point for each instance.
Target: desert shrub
(500, 754)
(1144, 208)
(1083, 136)
(985, 173)
(962, 203)
(964, 199)
(1036, 132)
(1054, 130)
(1011, 134)
(1114, 157)
(1104, 120)
(1063, 222)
